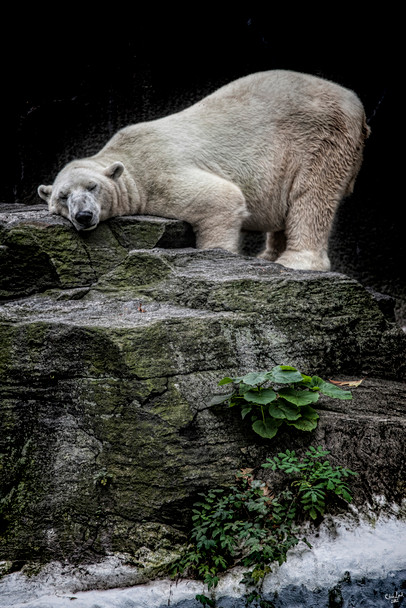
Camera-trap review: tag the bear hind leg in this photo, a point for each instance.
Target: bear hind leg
(307, 231)
(314, 199)
(326, 176)
(308, 226)
(275, 246)
(305, 259)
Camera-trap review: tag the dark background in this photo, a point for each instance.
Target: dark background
(70, 81)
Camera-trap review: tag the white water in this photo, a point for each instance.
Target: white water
(367, 550)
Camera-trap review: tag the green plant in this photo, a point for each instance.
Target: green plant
(314, 481)
(102, 478)
(282, 395)
(205, 601)
(246, 524)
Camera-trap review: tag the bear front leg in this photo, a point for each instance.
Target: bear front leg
(219, 232)
(216, 213)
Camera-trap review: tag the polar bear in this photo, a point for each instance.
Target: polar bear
(274, 151)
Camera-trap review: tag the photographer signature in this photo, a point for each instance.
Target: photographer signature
(394, 599)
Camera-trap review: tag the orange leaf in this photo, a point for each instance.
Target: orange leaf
(246, 472)
(353, 383)
(267, 492)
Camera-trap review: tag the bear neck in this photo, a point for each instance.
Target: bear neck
(130, 194)
(128, 197)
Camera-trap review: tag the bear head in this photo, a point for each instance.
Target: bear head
(83, 192)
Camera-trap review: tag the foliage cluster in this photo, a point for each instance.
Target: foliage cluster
(282, 395)
(246, 524)
(249, 524)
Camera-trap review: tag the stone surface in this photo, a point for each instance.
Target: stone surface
(112, 347)
(341, 570)
(59, 257)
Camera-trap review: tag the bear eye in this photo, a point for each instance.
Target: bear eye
(63, 196)
(91, 187)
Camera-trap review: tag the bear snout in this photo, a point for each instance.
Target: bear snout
(84, 218)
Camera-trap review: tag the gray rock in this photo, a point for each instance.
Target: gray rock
(112, 347)
(39, 251)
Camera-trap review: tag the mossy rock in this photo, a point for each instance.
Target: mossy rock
(39, 251)
(110, 356)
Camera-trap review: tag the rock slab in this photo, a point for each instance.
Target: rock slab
(112, 346)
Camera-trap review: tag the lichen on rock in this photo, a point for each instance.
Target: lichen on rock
(110, 355)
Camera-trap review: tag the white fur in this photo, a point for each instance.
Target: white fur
(274, 151)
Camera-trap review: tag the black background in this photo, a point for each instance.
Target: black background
(71, 79)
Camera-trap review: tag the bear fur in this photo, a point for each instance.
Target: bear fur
(273, 152)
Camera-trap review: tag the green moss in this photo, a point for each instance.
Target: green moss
(6, 567)
(23, 488)
(67, 262)
(68, 255)
(139, 432)
(140, 268)
(146, 351)
(6, 338)
(138, 234)
(36, 256)
(103, 249)
(22, 349)
(149, 545)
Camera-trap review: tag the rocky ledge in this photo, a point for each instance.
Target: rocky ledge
(113, 343)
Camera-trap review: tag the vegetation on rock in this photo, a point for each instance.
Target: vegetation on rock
(281, 395)
(254, 525)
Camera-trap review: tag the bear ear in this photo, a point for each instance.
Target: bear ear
(45, 192)
(115, 170)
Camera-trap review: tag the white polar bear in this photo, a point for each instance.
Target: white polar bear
(273, 152)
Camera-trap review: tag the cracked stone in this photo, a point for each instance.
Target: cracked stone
(111, 354)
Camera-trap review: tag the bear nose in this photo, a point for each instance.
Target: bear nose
(84, 217)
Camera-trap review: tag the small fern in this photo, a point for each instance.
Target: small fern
(246, 524)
